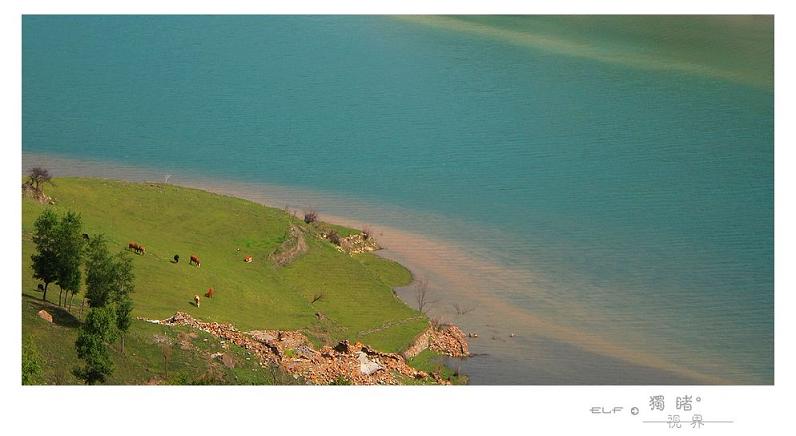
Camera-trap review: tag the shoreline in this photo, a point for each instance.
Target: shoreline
(454, 274)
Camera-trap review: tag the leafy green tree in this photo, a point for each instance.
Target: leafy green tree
(99, 272)
(70, 245)
(45, 260)
(96, 332)
(124, 309)
(31, 362)
(109, 282)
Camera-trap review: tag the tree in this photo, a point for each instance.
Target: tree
(423, 295)
(109, 279)
(109, 282)
(98, 330)
(124, 308)
(70, 243)
(38, 177)
(31, 365)
(45, 260)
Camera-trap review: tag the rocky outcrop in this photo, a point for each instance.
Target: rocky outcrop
(420, 343)
(358, 243)
(449, 340)
(355, 363)
(445, 339)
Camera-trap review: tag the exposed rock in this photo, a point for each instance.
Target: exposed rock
(356, 362)
(367, 366)
(40, 196)
(444, 339)
(450, 341)
(43, 314)
(358, 243)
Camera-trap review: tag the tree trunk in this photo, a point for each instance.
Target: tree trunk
(44, 297)
(122, 337)
(59, 295)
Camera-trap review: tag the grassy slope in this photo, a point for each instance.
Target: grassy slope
(142, 361)
(170, 220)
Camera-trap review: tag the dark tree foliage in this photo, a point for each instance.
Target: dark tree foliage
(98, 330)
(70, 244)
(45, 260)
(31, 363)
(109, 282)
(109, 279)
(124, 309)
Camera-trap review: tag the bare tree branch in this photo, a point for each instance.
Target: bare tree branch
(423, 296)
(462, 310)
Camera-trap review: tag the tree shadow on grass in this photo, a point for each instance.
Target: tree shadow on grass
(60, 315)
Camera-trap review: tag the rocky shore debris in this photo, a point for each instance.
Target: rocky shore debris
(445, 339)
(356, 363)
(354, 244)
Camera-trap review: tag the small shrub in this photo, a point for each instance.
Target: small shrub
(310, 216)
(341, 381)
(333, 237)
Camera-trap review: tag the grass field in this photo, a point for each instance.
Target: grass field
(187, 357)
(357, 290)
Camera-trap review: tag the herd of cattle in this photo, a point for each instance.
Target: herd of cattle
(140, 250)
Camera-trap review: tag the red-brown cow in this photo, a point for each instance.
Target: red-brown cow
(137, 248)
(195, 260)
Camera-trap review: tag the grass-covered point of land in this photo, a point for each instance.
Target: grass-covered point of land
(356, 297)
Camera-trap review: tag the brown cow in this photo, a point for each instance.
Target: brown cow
(137, 248)
(209, 293)
(247, 259)
(196, 300)
(195, 260)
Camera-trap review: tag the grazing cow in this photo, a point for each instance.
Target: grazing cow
(85, 236)
(209, 293)
(247, 259)
(196, 300)
(137, 248)
(176, 258)
(195, 260)
(41, 287)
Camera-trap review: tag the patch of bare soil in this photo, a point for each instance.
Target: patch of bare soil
(294, 246)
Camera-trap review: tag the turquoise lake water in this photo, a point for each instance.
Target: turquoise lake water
(641, 195)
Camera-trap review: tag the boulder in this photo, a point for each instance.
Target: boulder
(43, 314)
(367, 366)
